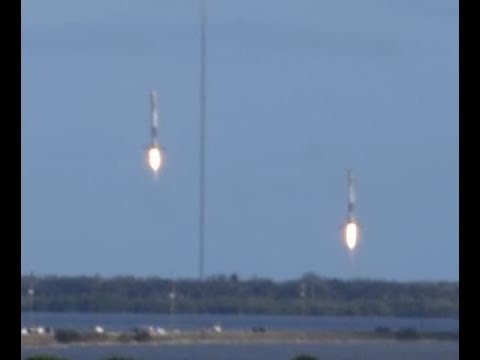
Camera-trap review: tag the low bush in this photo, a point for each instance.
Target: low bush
(45, 357)
(304, 357)
(67, 335)
(407, 334)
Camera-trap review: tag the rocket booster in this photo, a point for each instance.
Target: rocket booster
(351, 227)
(154, 154)
(154, 118)
(351, 196)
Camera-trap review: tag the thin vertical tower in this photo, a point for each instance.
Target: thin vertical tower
(203, 15)
(31, 293)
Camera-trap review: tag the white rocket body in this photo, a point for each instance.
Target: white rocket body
(154, 119)
(351, 198)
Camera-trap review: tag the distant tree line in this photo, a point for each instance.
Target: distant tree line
(309, 295)
(53, 357)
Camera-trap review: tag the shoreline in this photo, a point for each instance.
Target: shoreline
(231, 337)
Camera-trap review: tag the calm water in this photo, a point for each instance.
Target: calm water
(128, 321)
(356, 351)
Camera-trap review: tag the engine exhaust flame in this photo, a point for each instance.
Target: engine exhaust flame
(351, 235)
(154, 158)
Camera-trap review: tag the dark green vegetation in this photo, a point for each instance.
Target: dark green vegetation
(304, 357)
(413, 334)
(300, 357)
(228, 295)
(49, 357)
(71, 336)
(45, 357)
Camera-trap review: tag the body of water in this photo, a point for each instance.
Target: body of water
(337, 351)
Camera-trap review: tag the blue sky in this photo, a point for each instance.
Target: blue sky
(297, 92)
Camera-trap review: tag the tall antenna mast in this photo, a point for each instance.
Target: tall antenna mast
(203, 11)
(31, 293)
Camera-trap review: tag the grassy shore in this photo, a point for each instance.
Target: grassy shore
(232, 336)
